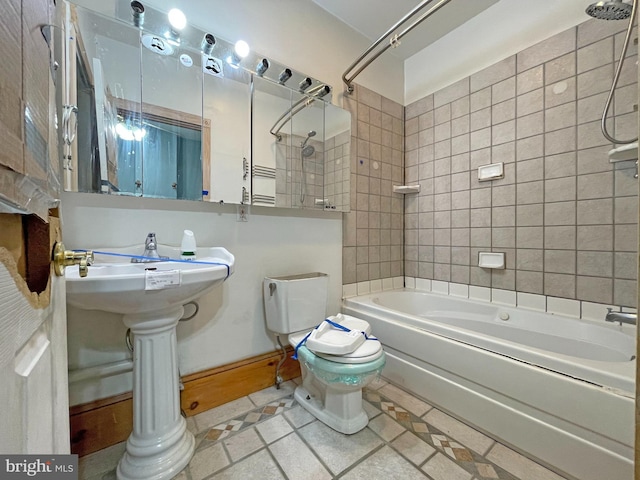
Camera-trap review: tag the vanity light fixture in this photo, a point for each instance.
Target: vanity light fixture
(325, 90)
(304, 84)
(262, 67)
(207, 44)
(138, 13)
(284, 76)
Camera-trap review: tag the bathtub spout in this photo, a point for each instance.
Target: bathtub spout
(621, 317)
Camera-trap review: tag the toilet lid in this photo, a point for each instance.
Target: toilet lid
(369, 351)
(329, 338)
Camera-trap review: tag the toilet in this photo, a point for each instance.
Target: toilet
(338, 355)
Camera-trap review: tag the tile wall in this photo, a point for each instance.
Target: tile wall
(373, 229)
(565, 216)
(289, 172)
(336, 172)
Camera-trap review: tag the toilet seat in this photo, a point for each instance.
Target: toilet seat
(330, 339)
(369, 351)
(356, 347)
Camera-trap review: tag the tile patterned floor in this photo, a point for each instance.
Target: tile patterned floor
(267, 435)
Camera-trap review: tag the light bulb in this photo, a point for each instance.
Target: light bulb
(177, 19)
(242, 48)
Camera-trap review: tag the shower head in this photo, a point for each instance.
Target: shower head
(609, 10)
(307, 151)
(312, 133)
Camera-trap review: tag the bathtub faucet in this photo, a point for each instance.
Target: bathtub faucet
(621, 317)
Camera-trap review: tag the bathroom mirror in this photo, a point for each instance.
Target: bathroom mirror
(157, 113)
(307, 141)
(134, 136)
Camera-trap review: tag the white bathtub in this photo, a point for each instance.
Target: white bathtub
(556, 388)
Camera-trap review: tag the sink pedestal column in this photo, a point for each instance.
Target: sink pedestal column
(160, 445)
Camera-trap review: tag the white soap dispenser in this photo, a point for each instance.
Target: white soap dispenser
(188, 246)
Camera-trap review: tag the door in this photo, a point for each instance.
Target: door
(33, 364)
(33, 346)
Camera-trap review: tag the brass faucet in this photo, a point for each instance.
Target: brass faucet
(64, 258)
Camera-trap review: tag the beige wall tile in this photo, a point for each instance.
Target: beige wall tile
(529, 80)
(560, 285)
(480, 99)
(546, 50)
(529, 215)
(593, 212)
(560, 68)
(594, 289)
(595, 55)
(560, 92)
(595, 264)
(561, 165)
(559, 261)
(530, 102)
(595, 237)
(560, 213)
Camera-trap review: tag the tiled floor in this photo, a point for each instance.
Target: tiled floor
(268, 436)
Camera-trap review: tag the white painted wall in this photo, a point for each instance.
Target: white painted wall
(502, 30)
(230, 325)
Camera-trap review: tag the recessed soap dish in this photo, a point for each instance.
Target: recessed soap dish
(491, 259)
(404, 189)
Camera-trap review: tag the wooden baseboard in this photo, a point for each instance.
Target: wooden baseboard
(100, 424)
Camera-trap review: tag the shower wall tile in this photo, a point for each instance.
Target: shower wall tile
(493, 74)
(546, 50)
(373, 230)
(565, 217)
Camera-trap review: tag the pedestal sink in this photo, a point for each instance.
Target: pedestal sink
(151, 297)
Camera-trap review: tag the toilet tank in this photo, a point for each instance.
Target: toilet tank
(295, 302)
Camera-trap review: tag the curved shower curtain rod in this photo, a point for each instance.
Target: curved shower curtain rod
(312, 95)
(393, 41)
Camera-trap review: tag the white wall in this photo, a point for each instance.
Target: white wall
(502, 30)
(230, 325)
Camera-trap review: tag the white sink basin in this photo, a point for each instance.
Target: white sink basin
(124, 287)
(151, 297)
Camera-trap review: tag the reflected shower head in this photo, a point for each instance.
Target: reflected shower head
(311, 133)
(307, 151)
(609, 10)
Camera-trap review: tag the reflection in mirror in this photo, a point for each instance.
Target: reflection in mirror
(171, 154)
(226, 100)
(337, 164)
(174, 145)
(185, 115)
(135, 136)
(288, 131)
